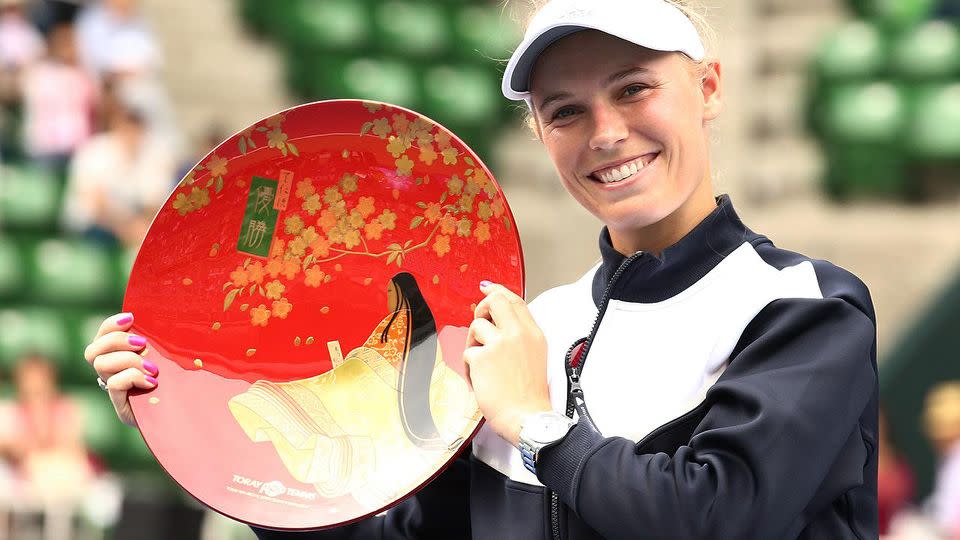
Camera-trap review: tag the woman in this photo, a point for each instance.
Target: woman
(42, 435)
(757, 364)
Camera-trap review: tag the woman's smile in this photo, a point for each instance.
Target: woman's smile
(619, 174)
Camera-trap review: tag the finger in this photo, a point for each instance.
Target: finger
(487, 288)
(130, 378)
(469, 355)
(498, 308)
(109, 364)
(117, 323)
(483, 331)
(112, 342)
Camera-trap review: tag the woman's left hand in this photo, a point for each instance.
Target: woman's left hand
(506, 359)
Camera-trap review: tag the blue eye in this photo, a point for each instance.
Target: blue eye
(563, 112)
(633, 89)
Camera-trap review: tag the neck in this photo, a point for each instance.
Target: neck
(656, 237)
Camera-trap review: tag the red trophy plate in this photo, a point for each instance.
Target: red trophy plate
(306, 292)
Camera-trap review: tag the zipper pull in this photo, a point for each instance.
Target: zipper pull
(574, 379)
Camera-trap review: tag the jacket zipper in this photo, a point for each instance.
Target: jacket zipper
(573, 373)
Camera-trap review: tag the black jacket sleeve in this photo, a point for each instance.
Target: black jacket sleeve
(789, 403)
(439, 510)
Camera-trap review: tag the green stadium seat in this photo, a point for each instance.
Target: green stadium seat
(863, 129)
(258, 16)
(82, 326)
(12, 269)
(871, 113)
(136, 453)
(928, 52)
(462, 96)
(412, 28)
(485, 33)
(896, 15)
(392, 81)
(316, 26)
(124, 264)
(856, 51)
(103, 431)
(932, 133)
(29, 198)
(33, 329)
(72, 271)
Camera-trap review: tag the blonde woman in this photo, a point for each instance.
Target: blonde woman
(699, 382)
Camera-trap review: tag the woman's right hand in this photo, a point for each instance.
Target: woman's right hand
(115, 355)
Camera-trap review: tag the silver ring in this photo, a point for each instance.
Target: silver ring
(103, 385)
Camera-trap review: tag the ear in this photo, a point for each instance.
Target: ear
(712, 88)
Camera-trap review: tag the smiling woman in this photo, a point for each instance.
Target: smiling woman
(627, 129)
(699, 382)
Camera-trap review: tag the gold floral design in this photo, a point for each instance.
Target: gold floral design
(260, 315)
(185, 203)
(275, 136)
(245, 141)
(193, 197)
(328, 221)
(281, 308)
(217, 166)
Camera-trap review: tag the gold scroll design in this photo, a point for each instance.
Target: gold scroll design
(341, 431)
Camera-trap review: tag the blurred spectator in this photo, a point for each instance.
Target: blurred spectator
(42, 436)
(113, 37)
(119, 179)
(46, 14)
(20, 42)
(895, 485)
(56, 122)
(20, 45)
(146, 93)
(942, 423)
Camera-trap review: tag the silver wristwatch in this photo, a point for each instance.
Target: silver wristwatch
(539, 431)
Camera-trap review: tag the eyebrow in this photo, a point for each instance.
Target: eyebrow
(610, 80)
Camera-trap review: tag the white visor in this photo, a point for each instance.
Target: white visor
(654, 24)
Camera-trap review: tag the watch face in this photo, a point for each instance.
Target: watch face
(548, 427)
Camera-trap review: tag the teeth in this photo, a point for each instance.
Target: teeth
(625, 171)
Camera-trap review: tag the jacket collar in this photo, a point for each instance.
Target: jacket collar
(651, 279)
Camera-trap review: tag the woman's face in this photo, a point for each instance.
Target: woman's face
(625, 127)
(393, 297)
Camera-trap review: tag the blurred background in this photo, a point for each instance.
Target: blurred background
(840, 139)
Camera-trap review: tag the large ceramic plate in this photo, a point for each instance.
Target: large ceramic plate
(305, 292)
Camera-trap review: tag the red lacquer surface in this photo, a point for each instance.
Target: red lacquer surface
(361, 192)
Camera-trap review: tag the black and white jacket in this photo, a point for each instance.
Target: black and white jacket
(732, 393)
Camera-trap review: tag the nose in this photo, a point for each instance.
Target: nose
(609, 127)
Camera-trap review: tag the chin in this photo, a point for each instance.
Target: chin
(630, 215)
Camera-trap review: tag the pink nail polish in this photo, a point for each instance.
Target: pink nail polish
(125, 318)
(484, 284)
(137, 341)
(151, 367)
(151, 380)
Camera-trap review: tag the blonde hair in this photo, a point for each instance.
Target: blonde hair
(695, 10)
